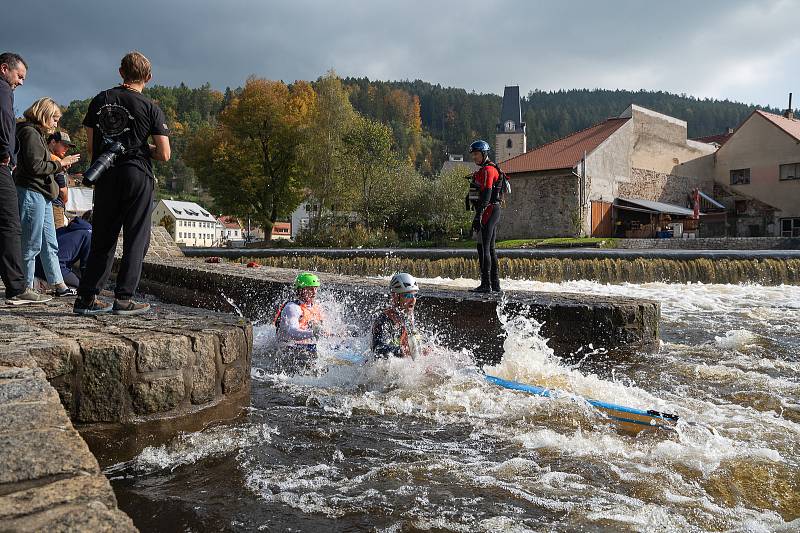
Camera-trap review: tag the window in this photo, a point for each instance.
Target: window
(509, 144)
(790, 171)
(790, 227)
(741, 207)
(740, 176)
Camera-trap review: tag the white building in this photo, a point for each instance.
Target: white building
(188, 223)
(300, 218)
(231, 229)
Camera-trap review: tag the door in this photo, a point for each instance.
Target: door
(601, 219)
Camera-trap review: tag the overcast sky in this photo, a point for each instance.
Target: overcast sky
(742, 50)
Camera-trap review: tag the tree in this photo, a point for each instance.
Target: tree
(251, 161)
(326, 153)
(369, 144)
(168, 223)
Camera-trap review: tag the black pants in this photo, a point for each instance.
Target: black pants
(123, 199)
(487, 254)
(10, 236)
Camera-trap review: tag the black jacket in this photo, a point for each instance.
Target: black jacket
(35, 167)
(7, 123)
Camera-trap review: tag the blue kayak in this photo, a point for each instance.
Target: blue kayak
(627, 418)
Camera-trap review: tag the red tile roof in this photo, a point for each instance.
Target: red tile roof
(789, 125)
(230, 222)
(720, 138)
(565, 152)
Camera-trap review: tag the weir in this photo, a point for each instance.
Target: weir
(572, 322)
(767, 267)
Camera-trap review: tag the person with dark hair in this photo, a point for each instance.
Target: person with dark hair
(59, 144)
(36, 190)
(13, 71)
(123, 194)
(74, 243)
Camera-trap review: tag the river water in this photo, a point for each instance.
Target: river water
(428, 445)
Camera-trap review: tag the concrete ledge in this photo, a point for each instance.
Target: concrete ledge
(571, 321)
(132, 371)
(49, 479)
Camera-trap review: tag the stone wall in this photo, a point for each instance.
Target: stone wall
(541, 207)
(659, 187)
(49, 480)
(722, 243)
(143, 377)
(161, 245)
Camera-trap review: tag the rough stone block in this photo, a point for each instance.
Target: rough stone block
(157, 395)
(28, 385)
(204, 373)
(106, 368)
(16, 357)
(162, 352)
(57, 357)
(28, 416)
(94, 516)
(232, 380)
(232, 344)
(29, 455)
(78, 489)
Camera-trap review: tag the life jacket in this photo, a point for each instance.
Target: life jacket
(500, 188)
(308, 314)
(408, 343)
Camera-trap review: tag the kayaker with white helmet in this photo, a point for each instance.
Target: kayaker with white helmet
(394, 331)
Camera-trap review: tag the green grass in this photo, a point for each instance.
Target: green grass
(561, 242)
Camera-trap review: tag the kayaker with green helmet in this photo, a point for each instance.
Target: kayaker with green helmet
(394, 332)
(298, 322)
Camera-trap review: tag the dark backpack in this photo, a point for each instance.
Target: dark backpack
(502, 186)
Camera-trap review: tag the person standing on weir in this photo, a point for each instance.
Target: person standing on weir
(484, 198)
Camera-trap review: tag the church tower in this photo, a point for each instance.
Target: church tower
(511, 139)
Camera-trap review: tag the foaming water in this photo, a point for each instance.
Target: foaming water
(429, 444)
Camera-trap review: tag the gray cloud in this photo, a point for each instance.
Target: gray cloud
(738, 49)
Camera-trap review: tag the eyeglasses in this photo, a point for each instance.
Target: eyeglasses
(409, 295)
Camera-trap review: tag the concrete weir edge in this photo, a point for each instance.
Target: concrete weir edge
(116, 383)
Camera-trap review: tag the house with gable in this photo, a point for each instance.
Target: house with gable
(615, 178)
(756, 173)
(188, 223)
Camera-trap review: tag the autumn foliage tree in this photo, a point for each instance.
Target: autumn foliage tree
(252, 160)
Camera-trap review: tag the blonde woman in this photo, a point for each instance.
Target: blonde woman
(36, 189)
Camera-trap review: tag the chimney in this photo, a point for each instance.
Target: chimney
(789, 113)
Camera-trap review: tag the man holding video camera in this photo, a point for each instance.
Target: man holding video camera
(118, 124)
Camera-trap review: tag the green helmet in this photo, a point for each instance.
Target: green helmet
(306, 279)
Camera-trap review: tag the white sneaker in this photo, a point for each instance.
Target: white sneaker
(30, 296)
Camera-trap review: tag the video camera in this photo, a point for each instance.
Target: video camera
(103, 162)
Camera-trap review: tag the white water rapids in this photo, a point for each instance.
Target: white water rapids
(405, 445)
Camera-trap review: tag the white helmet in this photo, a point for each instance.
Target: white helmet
(402, 282)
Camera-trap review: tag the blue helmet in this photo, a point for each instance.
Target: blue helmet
(479, 146)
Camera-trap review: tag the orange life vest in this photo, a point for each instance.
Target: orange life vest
(308, 314)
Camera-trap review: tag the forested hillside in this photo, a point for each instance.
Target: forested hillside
(427, 121)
